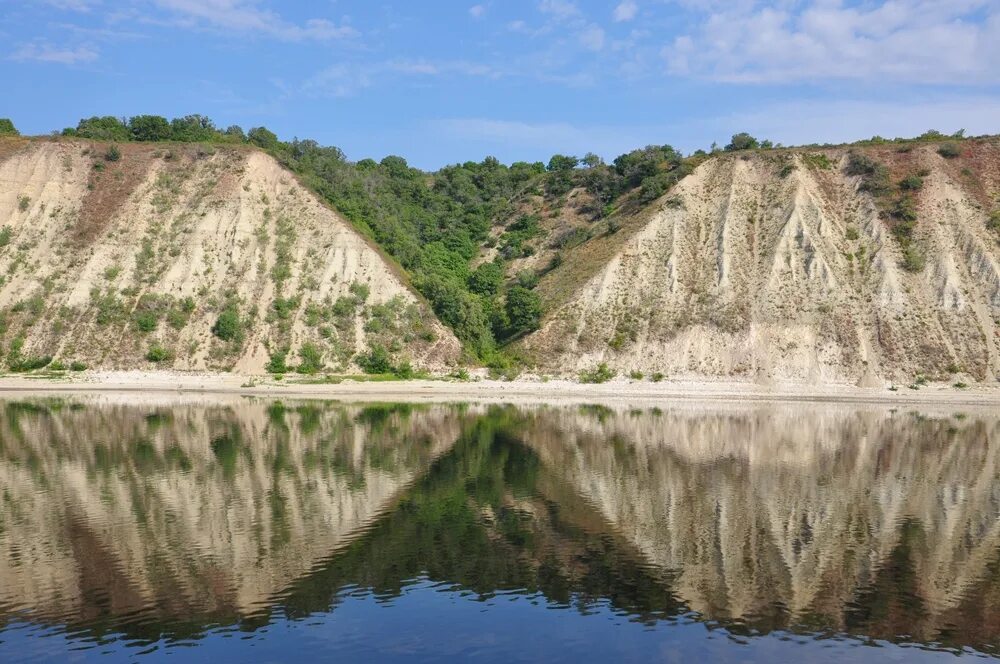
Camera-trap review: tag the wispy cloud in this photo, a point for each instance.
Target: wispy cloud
(592, 38)
(244, 16)
(477, 11)
(899, 40)
(41, 51)
(348, 80)
(625, 11)
(560, 9)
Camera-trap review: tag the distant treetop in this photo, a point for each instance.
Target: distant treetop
(7, 128)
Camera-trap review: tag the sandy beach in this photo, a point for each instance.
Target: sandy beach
(522, 391)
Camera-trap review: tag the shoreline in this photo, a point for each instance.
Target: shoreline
(523, 391)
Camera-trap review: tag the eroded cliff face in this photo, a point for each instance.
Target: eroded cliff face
(192, 513)
(104, 259)
(781, 266)
(781, 516)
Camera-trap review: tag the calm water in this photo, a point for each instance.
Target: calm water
(249, 530)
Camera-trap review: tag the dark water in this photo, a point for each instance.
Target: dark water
(247, 530)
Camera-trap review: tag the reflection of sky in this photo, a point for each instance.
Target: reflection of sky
(428, 622)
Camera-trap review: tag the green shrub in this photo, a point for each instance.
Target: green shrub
(30, 363)
(636, 375)
(817, 160)
(228, 325)
(911, 183)
(600, 374)
(7, 128)
(23, 202)
(278, 362)
(77, 365)
(851, 233)
(157, 353)
(310, 359)
(146, 321)
(5, 234)
(376, 361)
(874, 176)
(113, 154)
(992, 222)
(57, 365)
(950, 150)
(913, 259)
(657, 377)
(404, 370)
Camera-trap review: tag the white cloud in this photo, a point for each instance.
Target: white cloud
(625, 11)
(246, 16)
(592, 38)
(917, 41)
(73, 5)
(40, 51)
(347, 80)
(560, 9)
(477, 11)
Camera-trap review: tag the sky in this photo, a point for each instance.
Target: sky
(445, 81)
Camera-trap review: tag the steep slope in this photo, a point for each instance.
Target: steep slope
(192, 257)
(780, 265)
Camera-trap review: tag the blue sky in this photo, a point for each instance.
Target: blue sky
(451, 80)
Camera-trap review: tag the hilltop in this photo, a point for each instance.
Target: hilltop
(196, 258)
(146, 244)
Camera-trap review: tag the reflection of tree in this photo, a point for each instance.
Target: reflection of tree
(481, 519)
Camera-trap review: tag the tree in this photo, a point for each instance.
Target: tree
(149, 128)
(742, 141)
(523, 309)
(7, 128)
(106, 128)
(262, 137)
(193, 128)
(561, 162)
(486, 279)
(591, 160)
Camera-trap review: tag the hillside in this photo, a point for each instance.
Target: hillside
(832, 264)
(192, 257)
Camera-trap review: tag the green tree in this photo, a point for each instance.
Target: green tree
(106, 128)
(262, 138)
(149, 128)
(7, 128)
(193, 128)
(561, 162)
(524, 310)
(742, 141)
(486, 279)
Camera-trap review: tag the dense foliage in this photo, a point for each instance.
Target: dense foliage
(7, 128)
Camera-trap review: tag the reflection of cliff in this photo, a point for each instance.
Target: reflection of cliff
(148, 520)
(193, 513)
(873, 522)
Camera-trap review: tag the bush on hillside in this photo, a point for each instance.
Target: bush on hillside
(7, 128)
(950, 150)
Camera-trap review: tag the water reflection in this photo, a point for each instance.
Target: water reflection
(145, 523)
